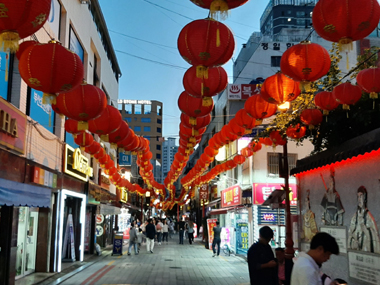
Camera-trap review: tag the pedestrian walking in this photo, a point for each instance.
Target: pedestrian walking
(139, 238)
(159, 231)
(190, 231)
(261, 262)
(142, 227)
(165, 232)
(150, 233)
(181, 228)
(171, 229)
(201, 232)
(306, 269)
(280, 259)
(133, 239)
(216, 242)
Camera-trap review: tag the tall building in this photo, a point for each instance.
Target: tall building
(169, 149)
(281, 14)
(144, 117)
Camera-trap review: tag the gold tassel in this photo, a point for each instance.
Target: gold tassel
(134, 152)
(373, 95)
(219, 6)
(113, 145)
(194, 133)
(345, 44)
(82, 149)
(207, 101)
(104, 138)
(217, 38)
(9, 41)
(48, 98)
(248, 131)
(202, 72)
(346, 107)
(193, 121)
(305, 86)
(202, 88)
(82, 126)
(311, 127)
(259, 122)
(325, 112)
(192, 140)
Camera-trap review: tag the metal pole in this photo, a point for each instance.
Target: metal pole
(289, 250)
(177, 213)
(142, 208)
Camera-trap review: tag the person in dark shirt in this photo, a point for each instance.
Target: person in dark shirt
(150, 230)
(181, 229)
(261, 262)
(217, 239)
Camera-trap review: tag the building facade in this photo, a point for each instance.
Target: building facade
(169, 149)
(45, 198)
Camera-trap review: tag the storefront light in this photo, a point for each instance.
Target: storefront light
(126, 175)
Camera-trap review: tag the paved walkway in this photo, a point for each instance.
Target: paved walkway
(170, 264)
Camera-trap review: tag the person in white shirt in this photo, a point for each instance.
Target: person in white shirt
(159, 226)
(306, 269)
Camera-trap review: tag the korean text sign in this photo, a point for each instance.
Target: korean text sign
(261, 192)
(231, 196)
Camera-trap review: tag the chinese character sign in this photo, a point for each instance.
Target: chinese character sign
(211, 223)
(214, 191)
(242, 91)
(231, 196)
(203, 192)
(262, 191)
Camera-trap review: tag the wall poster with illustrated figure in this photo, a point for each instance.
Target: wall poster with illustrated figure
(309, 226)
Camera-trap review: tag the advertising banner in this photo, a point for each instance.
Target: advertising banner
(42, 113)
(203, 192)
(241, 236)
(242, 91)
(4, 73)
(211, 223)
(231, 196)
(261, 192)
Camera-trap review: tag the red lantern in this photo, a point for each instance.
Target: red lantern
(258, 108)
(206, 43)
(243, 119)
(256, 146)
(104, 160)
(345, 21)
(23, 46)
(277, 138)
(311, 117)
(296, 132)
(211, 152)
(100, 154)
(215, 82)
(279, 88)
(305, 62)
(196, 123)
(219, 6)
(20, 19)
(51, 68)
(228, 134)
(193, 106)
(83, 139)
(108, 122)
(236, 129)
(326, 101)
(82, 104)
(119, 135)
(93, 149)
(347, 94)
(71, 126)
(239, 159)
(266, 141)
(369, 80)
(246, 152)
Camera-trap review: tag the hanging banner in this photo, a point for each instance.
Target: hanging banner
(231, 196)
(261, 192)
(203, 193)
(211, 223)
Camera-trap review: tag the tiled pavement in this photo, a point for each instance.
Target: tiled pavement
(170, 264)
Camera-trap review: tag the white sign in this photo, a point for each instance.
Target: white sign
(99, 231)
(142, 102)
(364, 267)
(242, 91)
(340, 234)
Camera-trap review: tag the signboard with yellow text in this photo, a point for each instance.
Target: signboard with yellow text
(76, 164)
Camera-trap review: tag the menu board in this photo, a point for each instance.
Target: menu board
(242, 236)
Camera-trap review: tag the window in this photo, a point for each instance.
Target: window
(145, 120)
(128, 119)
(147, 109)
(95, 78)
(225, 116)
(159, 110)
(273, 164)
(158, 147)
(128, 108)
(138, 109)
(75, 45)
(275, 61)
(146, 129)
(137, 129)
(158, 156)
(158, 130)
(300, 13)
(159, 121)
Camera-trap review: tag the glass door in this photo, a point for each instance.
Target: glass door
(26, 241)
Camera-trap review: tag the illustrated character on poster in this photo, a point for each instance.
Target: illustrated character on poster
(309, 224)
(363, 233)
(332, 206)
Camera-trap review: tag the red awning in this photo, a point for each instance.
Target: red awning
(222, 211)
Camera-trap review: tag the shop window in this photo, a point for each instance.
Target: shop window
(75, 45)
(273, 162)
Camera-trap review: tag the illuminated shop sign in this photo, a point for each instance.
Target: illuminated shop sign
(142, 102)
(76, 164)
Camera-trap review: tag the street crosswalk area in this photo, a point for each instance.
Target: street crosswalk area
(169, 264)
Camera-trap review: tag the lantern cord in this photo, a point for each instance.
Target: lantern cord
(309, 35)
(48, 33)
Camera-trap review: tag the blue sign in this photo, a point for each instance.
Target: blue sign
(254, 133)
(125, 159)
(39, 112)
(242, 237)
(75, 45)
(118, 245)
(4, 72)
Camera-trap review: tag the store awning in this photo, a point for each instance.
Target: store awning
(213, 203)
(222, 211)
(20, 194)
(109, 210)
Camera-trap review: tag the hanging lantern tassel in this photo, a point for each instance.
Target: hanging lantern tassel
(217, 38)
(311, 127)
(82, 126)
(248, 131)
(113, 145)
(259, 122)
(193, 121)
(305, 86)
(345, 44)
(219, 6)
(202, 72)
(48, 98)
(373, 95)
(206, 101)
(325, 112)
(104, 138)
(346, 107)
(9, 41)
(194, 132)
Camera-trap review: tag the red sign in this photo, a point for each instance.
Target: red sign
(242, 91)
(99, 219)
(231, 196)
(203, 192)
(12, 126)
(261, 192)
(214, 191)
(211, 223)
(269, 217)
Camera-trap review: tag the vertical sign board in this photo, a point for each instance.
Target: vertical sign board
(87, 232)
(241, 236)
(4, 73)
(211, 223)
(231, 196)
(214, 192)
(12, 127)
(203, 193)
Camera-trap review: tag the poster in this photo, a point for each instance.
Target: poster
(241, 236)
(340, 234)
(87, 232)
(211, 223)
(364, 267)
